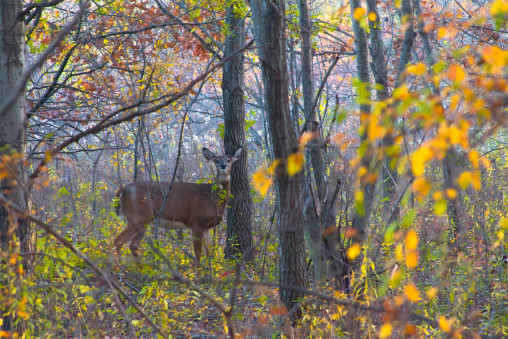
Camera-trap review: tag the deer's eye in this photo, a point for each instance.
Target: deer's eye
(229, 160)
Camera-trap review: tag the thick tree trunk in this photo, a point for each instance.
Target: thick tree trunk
(239, 233)
(12, 140)
(271, 42)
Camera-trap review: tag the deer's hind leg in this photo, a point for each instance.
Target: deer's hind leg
(197, 241)
(207, 242)
(136, 241)
(127, 234)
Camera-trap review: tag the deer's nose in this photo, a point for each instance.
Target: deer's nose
(223, 166)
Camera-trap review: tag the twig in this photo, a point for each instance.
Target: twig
(390, 218)
(16, 92)
(112, 284)
(108, 120)
(180, 278)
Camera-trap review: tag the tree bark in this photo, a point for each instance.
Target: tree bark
(271, 43)
(239, 232)
(315, 153)
(452, 204)
(13, 125)
(378, 66)
(362, 215)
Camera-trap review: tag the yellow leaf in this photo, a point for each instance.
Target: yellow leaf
(359, 13)
(399, 252)
(503, 223)
(417, 69)
(455, 135)
(465, 180)
(353, 251)
(441, 33)
(431, 292)
(295, 163)
(412, 293)
(372, 16)
(499, 7)
(400, 93)
(385, 331)
(412, 259)
(440, 207)
(261, 182)
(473, 157)
(411, 240)
(272, 167)
(444, 324)
(419, 158)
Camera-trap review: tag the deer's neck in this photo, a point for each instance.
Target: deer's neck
(223, 189)
(224, 181)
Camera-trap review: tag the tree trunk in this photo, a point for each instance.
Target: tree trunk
(452, 204)
(362, 215)
(315, 154)
(239, 233)
(378, 66)
(271, 42)
(13, 142)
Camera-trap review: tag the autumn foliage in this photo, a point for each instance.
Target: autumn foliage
(132, 92)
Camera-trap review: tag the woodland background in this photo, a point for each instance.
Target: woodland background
(371, 200)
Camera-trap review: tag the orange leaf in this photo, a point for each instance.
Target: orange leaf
(451, 193)
(476, 180)
(456, 73)
(350, 232)
(412, 293)
(412, 259)
(281, 310)
(422, 187)
(306, 136)
(359, 13)
(444, 324)
(411, 240)
(410, 329)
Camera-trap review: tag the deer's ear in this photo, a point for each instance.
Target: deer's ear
(209, 155)
(238, 154)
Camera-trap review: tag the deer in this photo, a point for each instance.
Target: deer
(178, 205)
